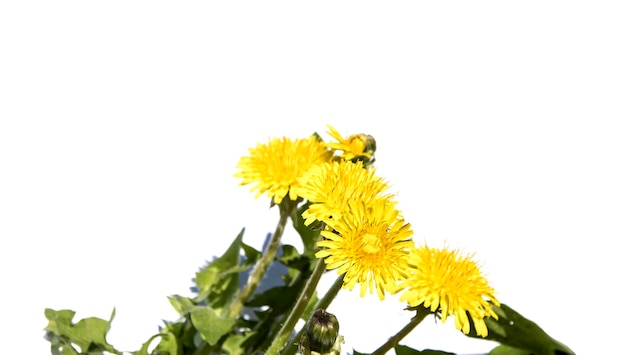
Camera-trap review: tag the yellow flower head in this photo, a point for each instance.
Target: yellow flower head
(354, 147)
(276, 166)
(442, 279)
(333, 186)
(370, 246)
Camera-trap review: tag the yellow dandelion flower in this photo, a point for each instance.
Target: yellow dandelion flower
(370, 246)
(355, 146)
(333, 186)
(441, 279)
(275, 167)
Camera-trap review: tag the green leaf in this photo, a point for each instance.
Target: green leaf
(514, 330)
(59, 345)
(164, 338)
(177, 338)
(279, 298)
(252, 255)
(234, 344)
(59, 322)
(289, 252)
(168, 345)
(308, 235)
(507, 350)
(220, 279)
(292, 259)
(405, 350)
(185, 334)
(91, 330)
(223, 294)
(88, 334)
(210, 325)
(182, 305)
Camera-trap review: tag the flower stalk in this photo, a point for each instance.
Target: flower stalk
(296, 312)
(422, 312)
(265, 261)
(321, 304)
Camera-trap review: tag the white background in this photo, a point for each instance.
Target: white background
(499, 125)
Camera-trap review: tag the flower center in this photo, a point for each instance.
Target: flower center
(371, 243)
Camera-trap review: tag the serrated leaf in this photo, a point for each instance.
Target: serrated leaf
(176, 338)
(222, 296)
(288, 252)
(59, 344)
(185, 334)
(290, 257)
(146, 345)
(182, 305)
(59, 322)
(210, 325)
(514, 330)
(251, 254)
(212, 273)
(168, 345)
(88, 334)
(91, 330)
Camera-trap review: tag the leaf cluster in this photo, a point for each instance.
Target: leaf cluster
(205, 326)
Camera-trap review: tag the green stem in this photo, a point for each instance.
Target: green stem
(422, 312)
(321, 304)
(285, 331)
(264, 262)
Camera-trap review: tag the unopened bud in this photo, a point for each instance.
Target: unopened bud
(368, 142)
(320, 333)
(363, 148)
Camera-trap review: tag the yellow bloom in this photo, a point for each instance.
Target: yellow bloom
(276, 166)
(441, 279)
(355, 146)
(370, 246)
(333, 186)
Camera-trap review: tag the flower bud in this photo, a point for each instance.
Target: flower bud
(366, 141)
(363, 148)
(320, 333)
